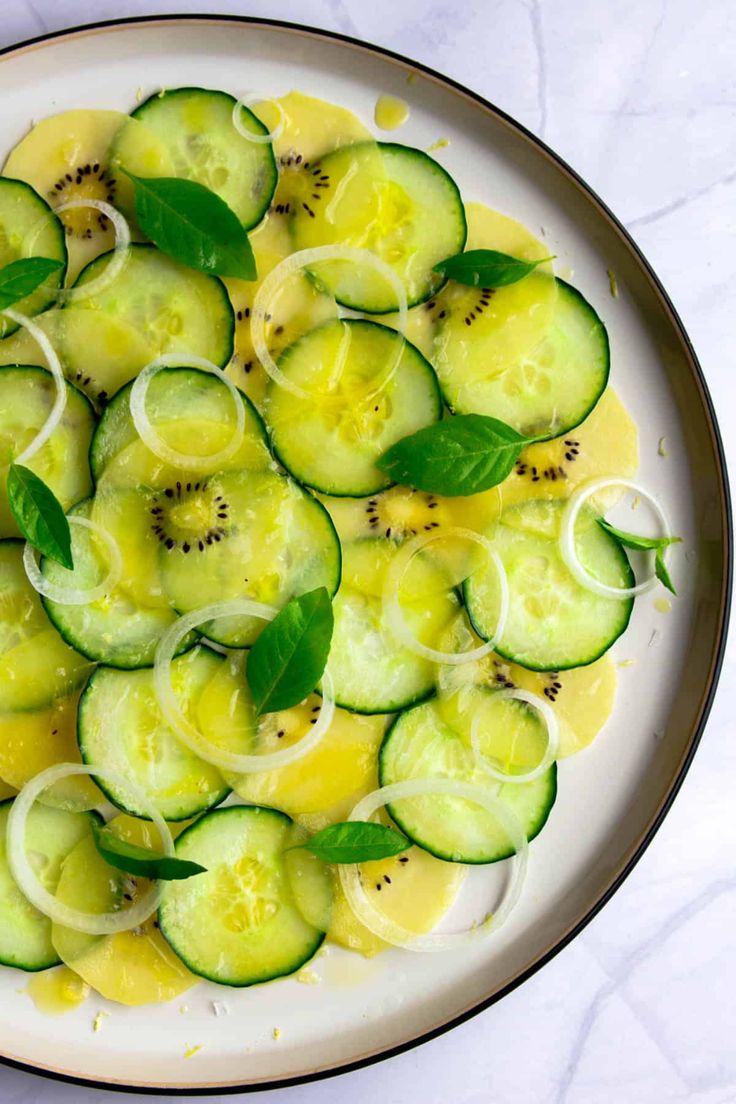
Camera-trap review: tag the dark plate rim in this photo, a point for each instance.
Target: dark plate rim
(726, 581)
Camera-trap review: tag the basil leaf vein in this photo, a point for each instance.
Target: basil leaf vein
(20, 278)
(461, 456)
(132, 859)
(645, 544)
(289, 657)
(487, 268)
(193, 225)
(356, 841)
(39, 515)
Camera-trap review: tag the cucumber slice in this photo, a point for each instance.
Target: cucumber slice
(546, 392)
(238, 924)
(243, 534)
(120, 724)
(98, 353)
(553, 622)
(373, 672)
(193, 412)
(25, 933)
(342, 763)
(123, 628)
(27, 396)
(170, 307)
(422, 744)
(29, 228)
(36, 666)
(192, 136)
(133, 967)
(65, 157)
(392, 199)
(332, 442)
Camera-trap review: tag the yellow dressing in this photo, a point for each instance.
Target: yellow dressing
(390, 112)
(663, 605)
(58, 991)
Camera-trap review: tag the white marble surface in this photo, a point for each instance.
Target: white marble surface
(640, 96)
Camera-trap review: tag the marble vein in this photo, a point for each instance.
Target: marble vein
(615, 986)
(682, 201)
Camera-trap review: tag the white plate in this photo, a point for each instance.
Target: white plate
(612, 796)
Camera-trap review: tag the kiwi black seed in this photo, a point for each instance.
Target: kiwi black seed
(96, 178)
(470, 303)
(399, 513)
(552, 690)
(569, 451)
(308, 185)
(189, 516)
(85, 382)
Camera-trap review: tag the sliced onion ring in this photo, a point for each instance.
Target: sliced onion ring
(68, 596)
(567, 536)
(151, 438)
(394, 615)
(295, 263)
(248, 101)
(189, 734)
(394, 933)
(104, 923)
(553, 737)
(54, 365)
(116, 263)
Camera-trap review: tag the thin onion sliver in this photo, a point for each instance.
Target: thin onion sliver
(393, 612)
(396, 934)
(69, 596)
(153, 440)
(54, 365)
(119, 258)
(295, 263)
(553, 737)
(248, 101)
(189, 734)
(567, 537)
(104, 923)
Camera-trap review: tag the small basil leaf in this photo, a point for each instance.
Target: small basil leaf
(288, 658)
(461, 456)
(19, 278)
(638, 544)
(660, 570)
(39, 515)
(193, 225)
(356, 841)
(487, 268)
(139, 860)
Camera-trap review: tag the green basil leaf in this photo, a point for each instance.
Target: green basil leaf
(660, 570)
(193, 225)
(487, 268)
(288, 658)
(139, 860)
(638, 544)
(356, 841)
(20, 278)
(39, 515)
(461, 456)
